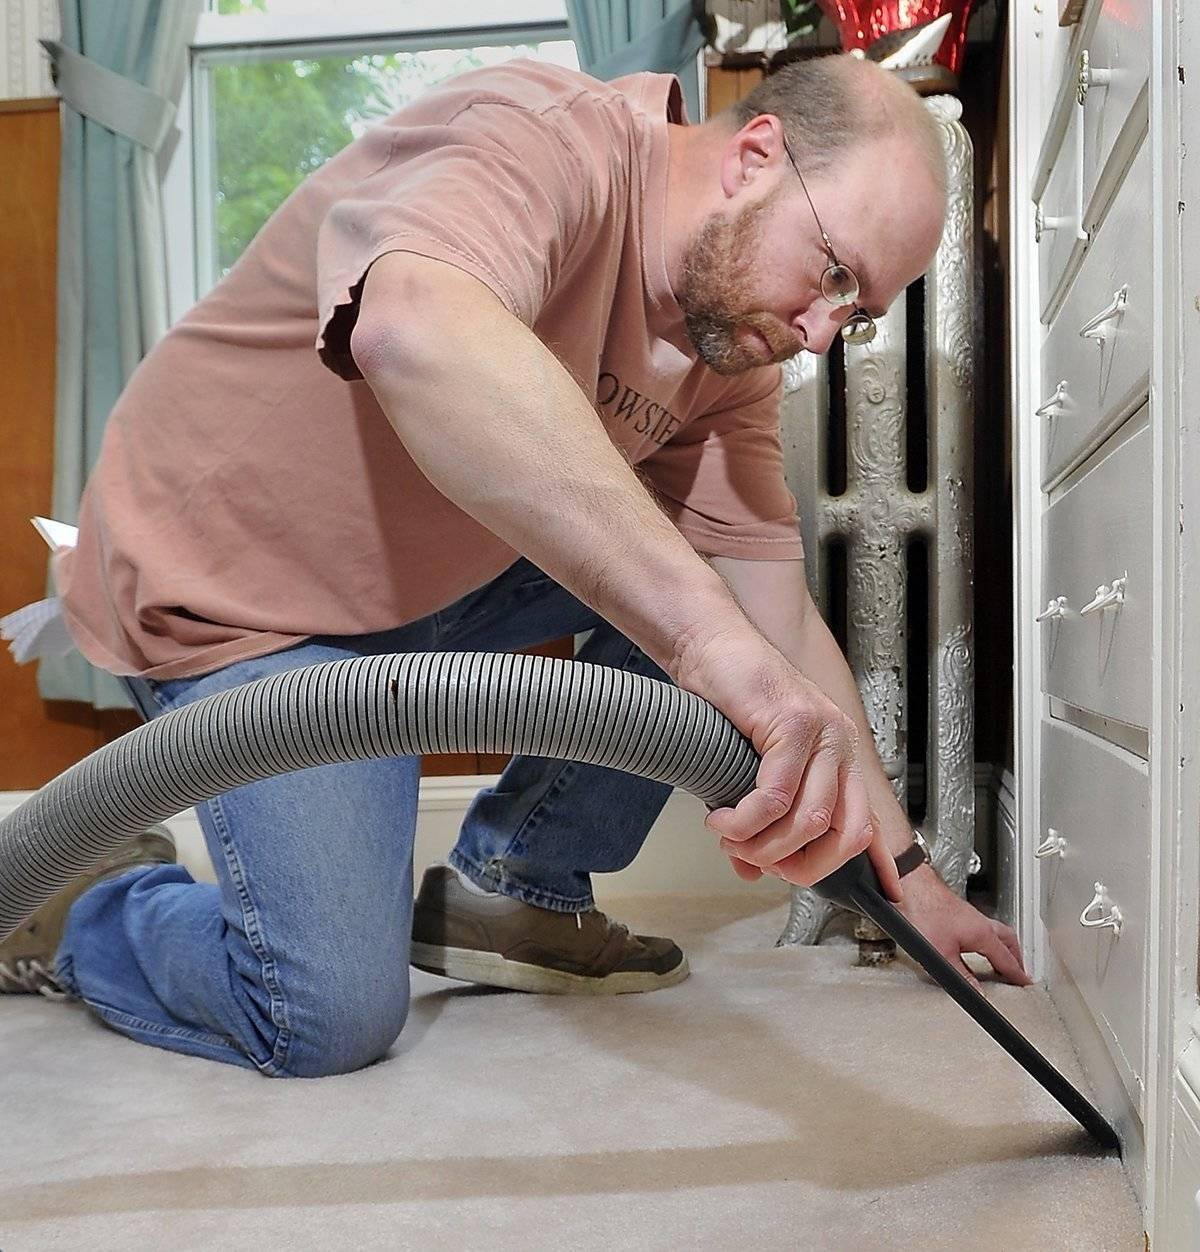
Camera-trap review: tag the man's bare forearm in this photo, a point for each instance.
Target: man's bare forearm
(496, 423)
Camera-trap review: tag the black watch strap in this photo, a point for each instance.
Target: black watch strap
(915, 855)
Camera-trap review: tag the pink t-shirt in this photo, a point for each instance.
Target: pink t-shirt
(250, 491)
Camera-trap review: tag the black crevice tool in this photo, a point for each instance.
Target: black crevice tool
(856, 886)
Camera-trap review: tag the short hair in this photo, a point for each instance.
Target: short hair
(829, 104)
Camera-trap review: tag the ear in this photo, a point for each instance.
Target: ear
(752, 153)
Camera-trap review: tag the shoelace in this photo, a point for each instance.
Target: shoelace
(620, 927)
(30, 975)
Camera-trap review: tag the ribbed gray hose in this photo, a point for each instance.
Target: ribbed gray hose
(357, 710)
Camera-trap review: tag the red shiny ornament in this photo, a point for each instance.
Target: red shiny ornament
(861, 22)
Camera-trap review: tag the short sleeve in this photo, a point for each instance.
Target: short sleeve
(496, 191)
(721, 481)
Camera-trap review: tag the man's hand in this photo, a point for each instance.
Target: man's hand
(882, 860)
(953, 927)
(809, 812)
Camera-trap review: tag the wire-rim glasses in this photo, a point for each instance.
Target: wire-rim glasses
(839, 283)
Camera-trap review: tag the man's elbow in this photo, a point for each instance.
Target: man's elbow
(415, 317)
(392, 335)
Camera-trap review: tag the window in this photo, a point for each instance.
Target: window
(278, 86)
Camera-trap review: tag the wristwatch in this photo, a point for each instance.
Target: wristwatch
(914, 856)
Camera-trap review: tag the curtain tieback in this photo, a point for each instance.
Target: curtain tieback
(114, 101)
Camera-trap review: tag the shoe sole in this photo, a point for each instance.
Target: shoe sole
(493, 970)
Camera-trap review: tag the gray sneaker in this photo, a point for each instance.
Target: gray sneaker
(27, 955)
(461, 931)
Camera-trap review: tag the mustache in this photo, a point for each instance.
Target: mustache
(783, 342)
(716, 340)
(712, 324)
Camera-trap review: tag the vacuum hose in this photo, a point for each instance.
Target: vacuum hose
(357, 710)
(412, 704)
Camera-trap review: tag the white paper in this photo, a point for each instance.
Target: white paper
(36, 631)
(58, 535)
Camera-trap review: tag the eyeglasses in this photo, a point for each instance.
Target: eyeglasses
(839, 283)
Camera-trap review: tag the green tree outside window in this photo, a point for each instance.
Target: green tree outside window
(276, 121)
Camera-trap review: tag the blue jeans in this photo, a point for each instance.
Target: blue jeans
(296, 961)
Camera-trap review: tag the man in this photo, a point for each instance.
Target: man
(544, 400)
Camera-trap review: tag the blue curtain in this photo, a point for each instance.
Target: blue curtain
(616, 37)
(119, 68)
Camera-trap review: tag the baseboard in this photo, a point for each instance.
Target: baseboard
(1182, 1219)
(1107, 1090)
(680, 855)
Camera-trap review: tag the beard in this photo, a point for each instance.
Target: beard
(717, 296)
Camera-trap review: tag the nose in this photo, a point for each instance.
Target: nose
(819, 327)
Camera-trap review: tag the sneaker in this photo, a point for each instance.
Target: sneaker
(27, 955)
(462, 931)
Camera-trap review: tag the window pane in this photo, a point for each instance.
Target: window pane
(281, 8)
(275, 122)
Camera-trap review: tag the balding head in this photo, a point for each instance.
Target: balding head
(828, 105)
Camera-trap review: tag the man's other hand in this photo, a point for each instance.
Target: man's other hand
(953, 927)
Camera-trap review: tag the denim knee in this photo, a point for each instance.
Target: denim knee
(340, 1024)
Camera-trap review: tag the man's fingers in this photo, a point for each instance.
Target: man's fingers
(994, 946)
(743, 869)
(820, 858)
(771, 799)
(853, 813)
(1008, 937)
(965, 970)
(810, 819)
(782, 776)
(1004, 959)
(885, 865)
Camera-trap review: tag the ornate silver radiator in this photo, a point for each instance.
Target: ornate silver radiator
(877, 517)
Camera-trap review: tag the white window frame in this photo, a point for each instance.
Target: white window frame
(349, 27)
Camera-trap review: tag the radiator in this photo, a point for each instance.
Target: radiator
(878, 516)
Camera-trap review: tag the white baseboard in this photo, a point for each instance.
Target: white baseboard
(680, 854)
(1182, 1220)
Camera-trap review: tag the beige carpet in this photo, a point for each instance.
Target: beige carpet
(778, 1099)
